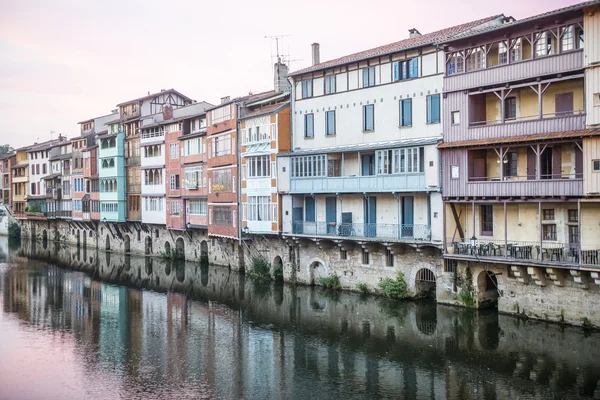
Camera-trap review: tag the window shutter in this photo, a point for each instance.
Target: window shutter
(244, 173)
(234, 183)
(210, 219)
(273, 169)
(233, 147)
(234, 218)
(396, 71)
(209, 185)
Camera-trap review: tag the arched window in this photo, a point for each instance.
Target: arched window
(112, 142)
(104, 165)
(111, 163)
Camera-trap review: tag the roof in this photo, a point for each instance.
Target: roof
(250, 98)
(522, 139)
(193, 135)
(51, 176)
(364, 146)
(547, 14)
(149, 96)
(61, 157)
(417, 41)
(6, 155)
(266, 110)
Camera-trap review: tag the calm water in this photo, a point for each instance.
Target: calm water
(126, 327)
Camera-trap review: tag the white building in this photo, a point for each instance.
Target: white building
(365, 127)
(152, 169)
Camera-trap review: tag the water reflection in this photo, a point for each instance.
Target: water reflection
(123, 326)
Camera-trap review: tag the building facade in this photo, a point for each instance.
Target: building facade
(6, 162)
(20, 182)
(111, 171)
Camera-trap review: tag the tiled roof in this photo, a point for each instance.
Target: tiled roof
(154, 95)
(266, 110)
(405, 44)
(522, 139)
(546, 14)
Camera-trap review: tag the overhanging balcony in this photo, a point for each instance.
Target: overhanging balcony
(366, 231)
(411, 182)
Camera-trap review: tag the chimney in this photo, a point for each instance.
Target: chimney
(316, 54)
(413, 33)
(224, 99)
(280, 81)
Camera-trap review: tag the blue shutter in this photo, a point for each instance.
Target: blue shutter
(436, 108)
(396, 71)
(404, 70)
(310, 209)
(407, 112)
(365, 77)
(413, 66)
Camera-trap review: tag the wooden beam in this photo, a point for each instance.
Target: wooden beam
(461, 233)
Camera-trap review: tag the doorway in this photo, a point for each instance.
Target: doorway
(331, 215)
(370, 213)
(407, 217)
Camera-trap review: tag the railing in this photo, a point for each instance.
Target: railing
(363, 230)
(372, 183)
(522, 118)
(590, 256)
(264, 135)
(515, 250)
(151, 135)
(574, 175)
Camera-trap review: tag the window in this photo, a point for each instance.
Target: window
(455, 116)
(222, 145)
(596, 165)
(174, 151)
(343, 254)
(389, 258)
(502, 53)
(365, 257)
(406, 112)
(174, 182)
(368, 76)
(330, 123)
(44, 170)
(511, 164)
(433, 109)
(307, 88)
(259, 208)
(510, 108)
(153, 151)
(516, 51)
(568, 38)
(309, 125)
(573, 216)
(549, 231)
(544, 44)
(175, 207)
(153, 177)
(487, 220)
(198, 207)
(548, 214)
(258, 167)
(77, 205)
(153, 204)
(309, 166)
(223, 216)
(369, 117)
(193, 177)
(330, 84)
(221, 180)
(221, 114)
(406, 69)
(476, 59)
(450, 266)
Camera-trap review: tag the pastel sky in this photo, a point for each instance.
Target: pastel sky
(63, 61)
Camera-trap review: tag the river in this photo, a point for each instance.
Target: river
(80, 324)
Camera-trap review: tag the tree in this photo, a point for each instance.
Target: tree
(6, 149)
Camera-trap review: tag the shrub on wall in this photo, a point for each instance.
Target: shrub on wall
(394, 288)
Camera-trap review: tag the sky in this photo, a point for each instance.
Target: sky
(64, 61)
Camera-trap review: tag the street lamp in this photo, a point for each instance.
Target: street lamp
(246, 230)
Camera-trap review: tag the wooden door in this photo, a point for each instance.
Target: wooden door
(563, 104)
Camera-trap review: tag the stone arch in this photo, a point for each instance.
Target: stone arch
(487, 289)
(180, 249)
(126, 244)
(277, 266)
(425, 283)
(44, 235)
(315, 269)
(168, 248)
(107, 244)
(148, 247)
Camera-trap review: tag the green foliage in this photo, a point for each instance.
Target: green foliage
(6, 149)
(14, 233)
(466, 296)
(394, 288)
(330, 282)
(278, 272)
(363, 288)
(585, 323)
(260, 268)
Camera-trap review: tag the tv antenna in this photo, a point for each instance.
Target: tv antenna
(280, 56)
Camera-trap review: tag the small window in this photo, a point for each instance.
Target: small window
(368, 76)
(307, 88)
(309, 125)
(549, 214)
(408, 69)
(433, 109)
(549, 231)
(369, 117)
(487, 220)
(450, 266)
(406, 112)
(596, 165)
(455, 117)
(365, 257)
(330, 84)
(510, 108)
(330, 123)
(573, 216)
(389, 258)
(343, 255)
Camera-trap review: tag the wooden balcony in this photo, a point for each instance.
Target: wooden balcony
(530, 188)
(360, 184)
(550, 65)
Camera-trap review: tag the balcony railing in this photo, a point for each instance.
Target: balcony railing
(59, 214)
(352, 184)
(522, 251)
(363, 230)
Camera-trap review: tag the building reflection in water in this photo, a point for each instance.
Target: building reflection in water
(150, 328)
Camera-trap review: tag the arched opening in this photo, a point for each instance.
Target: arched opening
(84, 240)
(107, 245)
(126, 244)
(78, 238)
(204, 274)
(487, 289)
(168, 249)
(45, 239)
(148, 245)
(180, 249)
(317, 270)
(425, 283)
(204, 253)
(180, 271)
(148, 266)
(278, 269)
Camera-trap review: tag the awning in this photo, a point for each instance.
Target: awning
(258, 149)
(522, 139)
(364, 147)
